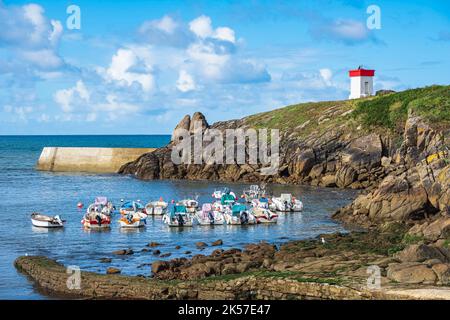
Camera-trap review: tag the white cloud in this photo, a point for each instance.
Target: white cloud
(326, 75)
(42, 58)
(166, 24)
(66, 97)
(201, 27)
(123, 61)
(185, 82)
(113, 106)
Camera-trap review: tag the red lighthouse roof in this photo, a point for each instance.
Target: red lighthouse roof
(360, 72)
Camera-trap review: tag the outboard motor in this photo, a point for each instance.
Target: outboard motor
(99, 219)
(180, 220)
(211, 217)
(244, 217)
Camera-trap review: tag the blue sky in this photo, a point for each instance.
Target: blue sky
(137, 67)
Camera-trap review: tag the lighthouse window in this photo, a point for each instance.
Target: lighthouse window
(366, 87)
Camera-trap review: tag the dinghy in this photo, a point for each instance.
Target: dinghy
(44, 221)
(286, 203)
(261, 211)
(208, 216)
(178, 217)
(217, 194)
(157, 208)
(239, 215)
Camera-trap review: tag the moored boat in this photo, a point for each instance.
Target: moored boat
(261, 211)
(133, 220)
(157, 208)
(253, 192)
(132, 207)
(286, 203)
(208, 216)
(178, 217)
(238, 215)
(44, 221)
(96, 220)
(101, 204)
(190, 204)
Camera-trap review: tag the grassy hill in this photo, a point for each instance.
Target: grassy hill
(377, 113)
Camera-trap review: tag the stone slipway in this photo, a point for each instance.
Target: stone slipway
(83, 159)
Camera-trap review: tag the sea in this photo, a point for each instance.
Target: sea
(24, 190)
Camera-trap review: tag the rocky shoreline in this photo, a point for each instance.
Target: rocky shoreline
(310, 269)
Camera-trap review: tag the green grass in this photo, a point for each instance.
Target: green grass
(390, 111)
(383, 112)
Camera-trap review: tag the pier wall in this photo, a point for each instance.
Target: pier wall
(84, 159)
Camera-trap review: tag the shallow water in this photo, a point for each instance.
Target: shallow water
(25, 190)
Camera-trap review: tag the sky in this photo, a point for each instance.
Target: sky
(137, 67)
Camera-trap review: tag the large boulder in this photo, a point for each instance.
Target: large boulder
(420, 253)
(412, 273)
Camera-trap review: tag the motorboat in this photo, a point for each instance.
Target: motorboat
(228, 199)
(132, 207)
(286, 203)
(261, 211)
(238, 215)
(217, 194)
(178, 217)
(133, 220)
(44, 221)
(209, 216)
(101, 204)
(190, 204)
(253, 192)
(96, 220)
(157, 208)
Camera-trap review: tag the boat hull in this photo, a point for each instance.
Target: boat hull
(46, 224)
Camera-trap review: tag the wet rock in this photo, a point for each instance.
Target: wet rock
(156, 252)
(123, 252)
(200, 244)
(145, 250)
(177, 247)
(154, 244)
(105, 260)
(188, 252)
(112, 270)
(160, 265)
(165, 255)
(217, 243)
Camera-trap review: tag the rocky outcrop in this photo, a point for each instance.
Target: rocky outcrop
(333, 158)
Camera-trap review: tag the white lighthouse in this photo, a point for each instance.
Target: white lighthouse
(361, 83)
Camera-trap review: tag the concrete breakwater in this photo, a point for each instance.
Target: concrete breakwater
(83, 159)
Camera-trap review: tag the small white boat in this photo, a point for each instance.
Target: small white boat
(208, 216)
(157, 208)
(239, 215)
(178, 217)
(133, 220)
(286, 203)
(261, 211)
(44, 221)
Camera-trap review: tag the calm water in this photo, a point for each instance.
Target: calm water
(25, 190)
